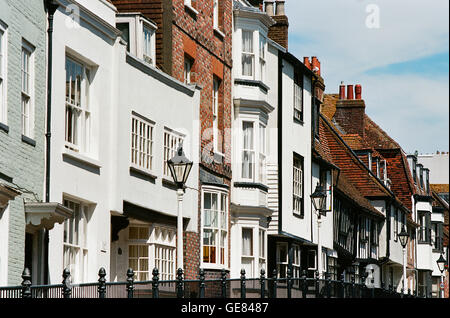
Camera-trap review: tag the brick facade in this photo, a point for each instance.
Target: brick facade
(20, 161)
(186, 32)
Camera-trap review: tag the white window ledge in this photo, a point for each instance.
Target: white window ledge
(214, 266)
(81, 158)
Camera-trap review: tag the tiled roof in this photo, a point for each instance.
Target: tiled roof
(321, 147)
(440, 188)
(350, 165)
(328, 108)
(345, 186)
(377, 137)
(356, 142)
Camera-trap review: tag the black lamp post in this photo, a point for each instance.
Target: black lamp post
(319, 200)
(403, 237)
(441, 265)
(180, 167)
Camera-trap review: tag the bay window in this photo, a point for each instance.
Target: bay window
(78, 115)
(75, 241)
(148, 51)
(248, 150)
(262, 56)
(248, 55)
(141, 142)
(27, 90)
(214, 227)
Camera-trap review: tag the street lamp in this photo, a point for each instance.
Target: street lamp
(441, 265)
(180, 167)
(319, 200)
(403, 237)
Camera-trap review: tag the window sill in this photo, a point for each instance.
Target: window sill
(142, 172)
(298, 215)
(4, 127)
(214, 267)
(29, 141)
(219, 33)
(81, 158)
(298, 121)
(191, 10)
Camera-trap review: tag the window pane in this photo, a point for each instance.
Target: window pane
(247, 242)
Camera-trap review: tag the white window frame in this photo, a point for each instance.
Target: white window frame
(262, 149)
(222, 235)
(296, 261)
(27, 101)
(3, 73)
(297, 186)
(298, 97)
(216, 14)
(171, 141)
(248, 257)
(249, 150)
(161, 250)
(215, 113)
(80, 134)
(77, 259)
(282, 262)
(188, 63)
(142, 143)
(262, 57)
(148, 49)
(262, 248)
(248, 54)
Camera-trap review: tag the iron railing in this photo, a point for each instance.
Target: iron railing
(223, 287)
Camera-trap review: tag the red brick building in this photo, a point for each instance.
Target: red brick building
(193, 44)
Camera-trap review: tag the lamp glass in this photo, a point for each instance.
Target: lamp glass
(441, 263)
(403, 236)
(180, 167)
(318, 198)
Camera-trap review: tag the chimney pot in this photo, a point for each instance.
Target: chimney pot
(316, 63)
(280, 8)
(349, 91)
(358, 92)
(342, 91)
(269, 8)
(307, 62)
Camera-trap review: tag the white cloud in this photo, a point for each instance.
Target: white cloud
(413, 109)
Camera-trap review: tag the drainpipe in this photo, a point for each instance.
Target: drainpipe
(50, 6)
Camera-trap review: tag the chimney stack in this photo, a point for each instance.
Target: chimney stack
(342, 91)
(269, 8)
(279, 31)
(349, 91)
(358, 92)
(315, 65)
(307, 62)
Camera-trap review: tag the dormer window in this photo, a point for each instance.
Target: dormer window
(139, 33)
(369, 158)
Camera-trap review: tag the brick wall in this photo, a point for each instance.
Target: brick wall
(22, 162)
(350, 116)
(279, 31)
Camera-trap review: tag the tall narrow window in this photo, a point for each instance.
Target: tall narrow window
(262, 56)
(262, 153)
(215, 225)
(138, 251)
(247, 251)
(172, 140)
(216, 14)
(75, 241)
(248, 56)
(78, 115)
(248, 150)
(215, 112)
(147, 45)
(188, 62)
(2, 75)
(298, 186)
(298, 97)
(27, 89)
(124, 27)
(141, 143)
(262, 249)
(282, 259)
(295, 261)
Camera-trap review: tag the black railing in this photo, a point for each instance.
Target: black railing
(223, 287)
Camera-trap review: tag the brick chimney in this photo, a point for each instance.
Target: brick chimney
(307, 62)
(315, 67)
(279, 31)
(350, 112)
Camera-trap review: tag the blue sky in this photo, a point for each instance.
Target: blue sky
(402, 63)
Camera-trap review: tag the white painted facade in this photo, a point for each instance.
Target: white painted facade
(96, 173)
